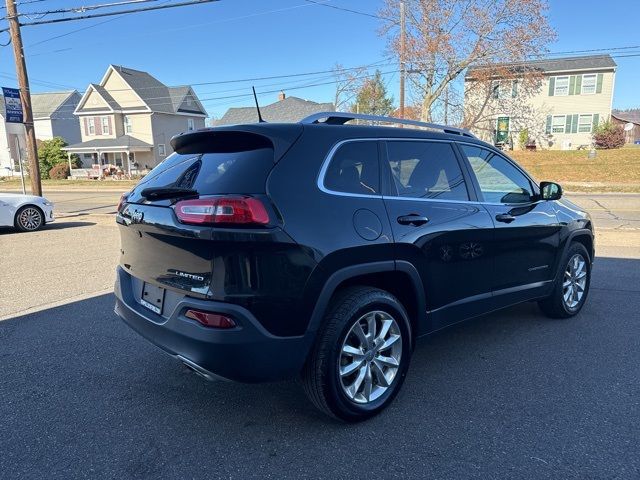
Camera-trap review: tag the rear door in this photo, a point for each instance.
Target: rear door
(439, 227)
(527, 231)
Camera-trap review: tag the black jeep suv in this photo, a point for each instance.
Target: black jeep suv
(260, 252)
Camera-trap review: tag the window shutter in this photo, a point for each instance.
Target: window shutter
(109, 122)
(552, 85)
(574, 124)
(97, 125)
(567, 125)
(599, 84)
(596, 120)
(572, 85)
(578, 84)
(548, 130)
(514, 89)
(86, 126)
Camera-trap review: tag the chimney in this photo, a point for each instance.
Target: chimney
(281, 95)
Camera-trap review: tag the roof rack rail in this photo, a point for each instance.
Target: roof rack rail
(340, 118)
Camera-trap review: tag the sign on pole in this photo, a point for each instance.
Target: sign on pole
(12, 105)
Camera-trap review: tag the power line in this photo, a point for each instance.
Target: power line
(357, 12)
(120, 12)
(164, 31)
(247, 95)
(85, 8)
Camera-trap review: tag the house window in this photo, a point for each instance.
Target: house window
(127, 124)
(105, 126)
(505, 89)
(190, 124)
(562, 86)
(189, 101)
(589, 84)
(585, 123)
(91, 126)
(557, 125)
(161, 150)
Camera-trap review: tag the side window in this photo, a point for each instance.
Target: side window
(354, 169)
(426, 170)
(499, 180)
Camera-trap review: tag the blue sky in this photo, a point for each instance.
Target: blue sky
(237, 39)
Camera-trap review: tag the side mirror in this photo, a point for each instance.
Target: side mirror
(550, 191)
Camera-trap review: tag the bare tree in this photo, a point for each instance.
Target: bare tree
(445, 37)
(504, 90)
(348, 84)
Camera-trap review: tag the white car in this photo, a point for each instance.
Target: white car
(27, 213)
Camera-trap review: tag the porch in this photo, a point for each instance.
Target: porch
(121, 156)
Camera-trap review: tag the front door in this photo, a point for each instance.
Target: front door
(527, 231)
(439, 228)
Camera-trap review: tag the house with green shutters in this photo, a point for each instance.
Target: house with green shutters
(559, 108)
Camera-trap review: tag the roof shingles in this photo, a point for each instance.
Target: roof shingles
(289, 110)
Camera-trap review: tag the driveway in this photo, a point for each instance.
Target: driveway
(511, 394)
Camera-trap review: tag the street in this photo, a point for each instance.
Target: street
(511, 394)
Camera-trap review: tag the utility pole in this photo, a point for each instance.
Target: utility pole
(402, 53)
(25, 94)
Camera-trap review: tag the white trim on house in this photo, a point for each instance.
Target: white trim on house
(86, 96)
(581, 124)
(106, 76)
(595, 83)
(556, 127)
(565, 88)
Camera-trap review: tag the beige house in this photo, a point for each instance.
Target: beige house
(558, 101)
(128, 119)
(52, 117)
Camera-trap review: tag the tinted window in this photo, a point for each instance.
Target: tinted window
(211, 173)
(426, 170)
(499, 180)
(354, 169)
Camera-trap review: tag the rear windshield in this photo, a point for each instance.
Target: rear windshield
(211, 173)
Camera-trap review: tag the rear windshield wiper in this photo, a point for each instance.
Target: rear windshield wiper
(159, 193)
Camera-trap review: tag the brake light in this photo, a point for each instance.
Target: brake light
(236, 210)
(123, 199)
(213, 320)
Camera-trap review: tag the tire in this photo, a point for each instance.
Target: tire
(330, 375)
(574, 276)
(29, 218)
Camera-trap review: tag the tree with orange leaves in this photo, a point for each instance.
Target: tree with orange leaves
(445, 37)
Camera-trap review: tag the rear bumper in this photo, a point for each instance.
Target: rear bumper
(247, 353)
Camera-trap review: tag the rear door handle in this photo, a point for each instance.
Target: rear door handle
(412, 219)
(505, 218)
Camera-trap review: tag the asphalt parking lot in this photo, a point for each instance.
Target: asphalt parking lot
(508, 395)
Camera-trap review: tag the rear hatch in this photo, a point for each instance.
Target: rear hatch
(178, 226)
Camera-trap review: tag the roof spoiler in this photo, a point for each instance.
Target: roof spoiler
(235, 138)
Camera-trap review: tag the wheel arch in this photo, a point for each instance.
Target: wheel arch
(401, 279)
(19, 208)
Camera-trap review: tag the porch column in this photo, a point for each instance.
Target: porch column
(69, 158)
(128, 163)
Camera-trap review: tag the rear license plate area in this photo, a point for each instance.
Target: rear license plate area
(152, 298)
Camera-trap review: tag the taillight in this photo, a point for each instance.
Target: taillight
(123, 199)
(208, 319)
(236, 210)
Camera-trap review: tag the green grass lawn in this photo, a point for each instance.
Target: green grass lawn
(611, 170)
